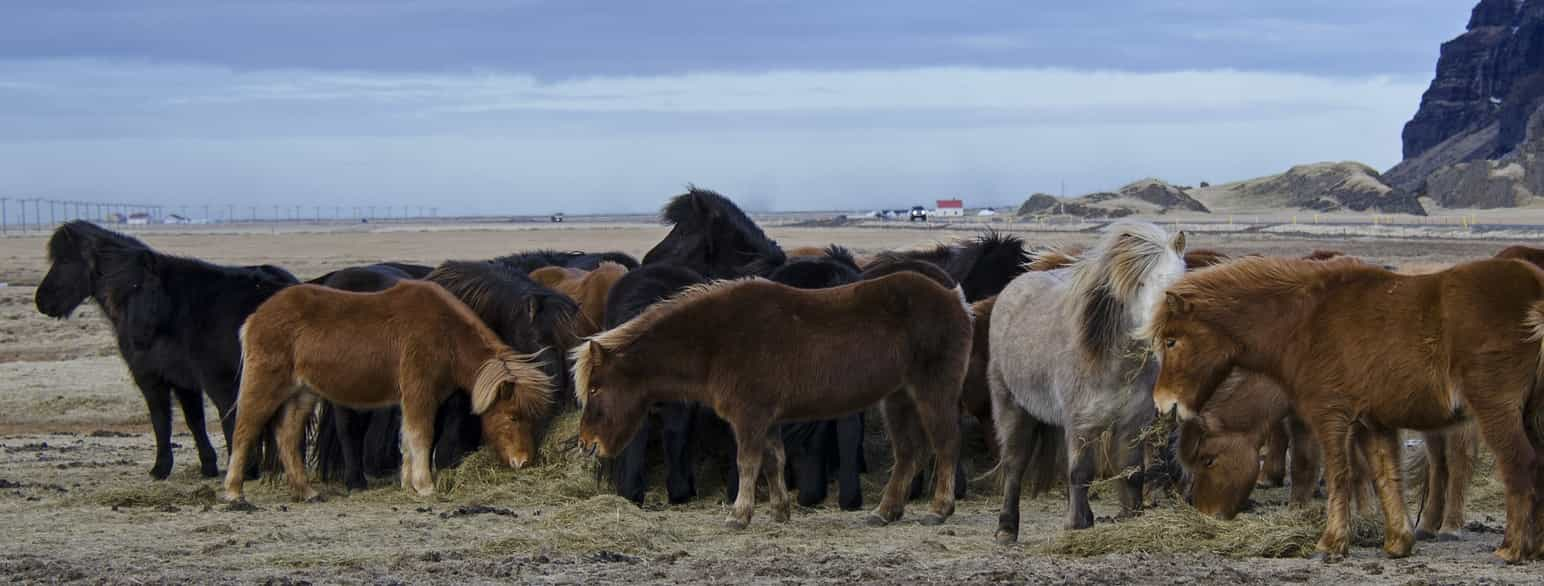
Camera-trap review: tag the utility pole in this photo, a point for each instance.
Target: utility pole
(3, 228)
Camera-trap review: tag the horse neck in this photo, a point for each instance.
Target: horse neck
(1266, 328)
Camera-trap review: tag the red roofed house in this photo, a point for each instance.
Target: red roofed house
(950, 207)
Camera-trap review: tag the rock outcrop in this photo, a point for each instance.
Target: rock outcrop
(1323, 187)
(1473, 140)
(1147, 196)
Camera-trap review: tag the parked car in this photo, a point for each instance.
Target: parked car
(557, 218)
(918, 214)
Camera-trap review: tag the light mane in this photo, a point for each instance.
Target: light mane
(1112, 288)
(1249, 278)
(619, 337)
(1055, 257)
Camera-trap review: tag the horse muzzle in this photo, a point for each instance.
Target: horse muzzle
(1167, 404)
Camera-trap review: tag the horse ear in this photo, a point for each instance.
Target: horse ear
(598, 353)
(1178, 243)
(1177, 303)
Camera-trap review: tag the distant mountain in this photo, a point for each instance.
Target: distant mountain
(1147, 197)
(1324, 187)
(1476, 140)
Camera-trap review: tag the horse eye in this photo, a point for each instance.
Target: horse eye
(594, 390)
(1211, 461)
(1168, 342)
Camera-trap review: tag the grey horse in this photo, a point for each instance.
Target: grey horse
(1065, 367)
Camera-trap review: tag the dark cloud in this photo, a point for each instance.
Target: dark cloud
(560, 39)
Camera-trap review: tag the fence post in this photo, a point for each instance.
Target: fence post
(3, 228)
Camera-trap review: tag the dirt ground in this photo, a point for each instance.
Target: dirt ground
(77, 505)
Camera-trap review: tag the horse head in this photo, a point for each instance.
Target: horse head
(1195, 356)
(80, 253)
(612, 410)
(1221, 467)
(714, 237)
(512, 396)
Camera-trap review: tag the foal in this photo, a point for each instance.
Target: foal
(413, 344)
(1357, 344)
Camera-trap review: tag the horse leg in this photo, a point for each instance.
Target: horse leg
(1273, 471)
(1306, 461)
(1013, 428)
(345, 423)
(1135, 454)
(1502, 426)
(1433, 507)
(941, 420)
(1335, 438)
(418, 440)
(192, 403)
(1080, 473)
(158, 398)
(1382, 446)
(750, 441)
(772, 465)
(810, 462)
(262, 393)
(905, 435)
(676, 435)
(631, 467)
(849, 450)
(1460, 471)
(291, 431)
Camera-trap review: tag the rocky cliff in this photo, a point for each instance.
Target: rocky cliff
(1472, 143)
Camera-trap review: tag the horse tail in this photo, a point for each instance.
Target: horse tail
(532, 389)
(327, 453)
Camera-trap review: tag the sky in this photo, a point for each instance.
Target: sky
(484, 107)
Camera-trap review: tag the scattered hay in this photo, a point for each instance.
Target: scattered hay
(599, 523)
(153, 494)
(1276, 534)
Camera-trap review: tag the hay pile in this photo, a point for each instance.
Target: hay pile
(560, 475)
(599, 523)
(1276, 534)
(153, 494)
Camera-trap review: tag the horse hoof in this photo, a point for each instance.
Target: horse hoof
(931, 519)
(210, 471)
(316, 498)
(734, 524)
(1508, 556)
(159, 473)
(1424, 535)
(1007, 537)
(874, 520)
(1326, 557)
(241, 506)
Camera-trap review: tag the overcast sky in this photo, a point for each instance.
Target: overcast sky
(534, 106)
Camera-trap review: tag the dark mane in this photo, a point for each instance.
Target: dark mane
(889, 265)
(940, 256)
(986, 264)
(819, 272)
(712, 236)
(530, 260)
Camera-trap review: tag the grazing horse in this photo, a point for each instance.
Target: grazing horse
(1354, 344)
(790, 355)
(816, 446)
(530, 260)
(175, 320)
(1065, 361)
(711, 238)
(342, 434)
(587, 288)
(527, 317)
(413, 345)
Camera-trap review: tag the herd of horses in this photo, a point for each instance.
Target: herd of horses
(721, 339)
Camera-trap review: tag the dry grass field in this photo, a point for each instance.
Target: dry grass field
(76, 503)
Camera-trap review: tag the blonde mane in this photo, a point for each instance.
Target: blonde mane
(619, 337)
(1129, 266)
(1055, 257)
(532, 392)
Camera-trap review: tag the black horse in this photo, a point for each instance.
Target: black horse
(176, 320)
(531, 260)
(982, 266)
(815, 447)
(527, 316)
(710, 238)
(343, 433)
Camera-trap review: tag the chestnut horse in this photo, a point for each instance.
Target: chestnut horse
(1064, 366)
(792, 355)
(1354, 344)
(587, 288)
(413, 344)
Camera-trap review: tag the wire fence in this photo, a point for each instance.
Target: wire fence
(24, 215)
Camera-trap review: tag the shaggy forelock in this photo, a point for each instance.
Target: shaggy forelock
(1111, 277)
